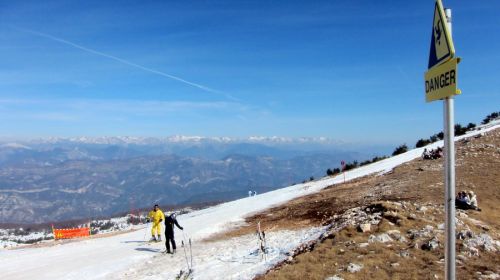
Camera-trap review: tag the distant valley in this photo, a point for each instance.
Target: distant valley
(60, 179)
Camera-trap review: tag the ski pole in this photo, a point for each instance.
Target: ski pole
(191, 253)
(145, 232)
(184, 247)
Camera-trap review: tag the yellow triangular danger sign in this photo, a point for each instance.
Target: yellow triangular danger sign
(442, 48)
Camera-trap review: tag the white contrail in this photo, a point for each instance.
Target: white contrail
(122, 61)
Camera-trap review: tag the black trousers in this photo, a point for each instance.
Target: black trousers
(168, 239)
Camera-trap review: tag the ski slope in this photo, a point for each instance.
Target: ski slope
(126, 256)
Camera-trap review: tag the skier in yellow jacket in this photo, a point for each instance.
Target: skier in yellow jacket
(156, 216)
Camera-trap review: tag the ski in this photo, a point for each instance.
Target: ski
(262, 241)
(184, 275)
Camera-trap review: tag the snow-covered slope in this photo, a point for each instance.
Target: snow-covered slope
(126, 255)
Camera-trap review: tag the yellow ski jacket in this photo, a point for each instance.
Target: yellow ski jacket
(156, 216)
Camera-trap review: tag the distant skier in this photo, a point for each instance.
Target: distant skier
(156, 216)
(170, 221)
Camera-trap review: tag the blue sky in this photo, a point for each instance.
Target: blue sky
(349, 70)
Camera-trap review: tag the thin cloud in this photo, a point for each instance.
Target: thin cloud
(124, 105)
(121, 60)
(85, 109)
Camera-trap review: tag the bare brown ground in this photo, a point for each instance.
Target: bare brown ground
(420, 181)
(382, 261)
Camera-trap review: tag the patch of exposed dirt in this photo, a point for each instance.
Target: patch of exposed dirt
(395, 247)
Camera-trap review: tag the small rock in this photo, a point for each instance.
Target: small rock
(396, 203)
(483, 241)
(421, 208)
(290, 259)
(363, 245)
(473, 251)
(412, 217)
(364, 227)
(431, 245)
(383, 238)
(462, 215)
(335, 277)
(352, 267)
(396, 234)
(350, 243)
(491, 276)
(404, 254)
(462, 258)
(394, 264)
(465, 234)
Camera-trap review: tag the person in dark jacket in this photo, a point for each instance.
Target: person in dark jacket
(170, 220)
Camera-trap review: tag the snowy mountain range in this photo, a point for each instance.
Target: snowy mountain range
(123, 140)
(72, 178)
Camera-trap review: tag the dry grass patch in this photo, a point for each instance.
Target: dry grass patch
(403, 259)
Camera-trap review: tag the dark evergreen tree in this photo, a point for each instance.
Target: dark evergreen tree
(460, 130)
(401, 149)
(422, 142)
(471, 126)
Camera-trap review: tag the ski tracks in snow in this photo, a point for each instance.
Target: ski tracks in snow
(234, 258)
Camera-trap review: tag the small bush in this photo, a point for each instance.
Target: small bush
(375, 159)
(351, 165)
(365, 162)
(423, 142)
(331, 172)
(460, 130)
(399, 150)
(490, 117)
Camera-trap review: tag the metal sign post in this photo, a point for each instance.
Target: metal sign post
(449, 175)
(441, 84)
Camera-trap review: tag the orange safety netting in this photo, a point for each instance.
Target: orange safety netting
(71, 232)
